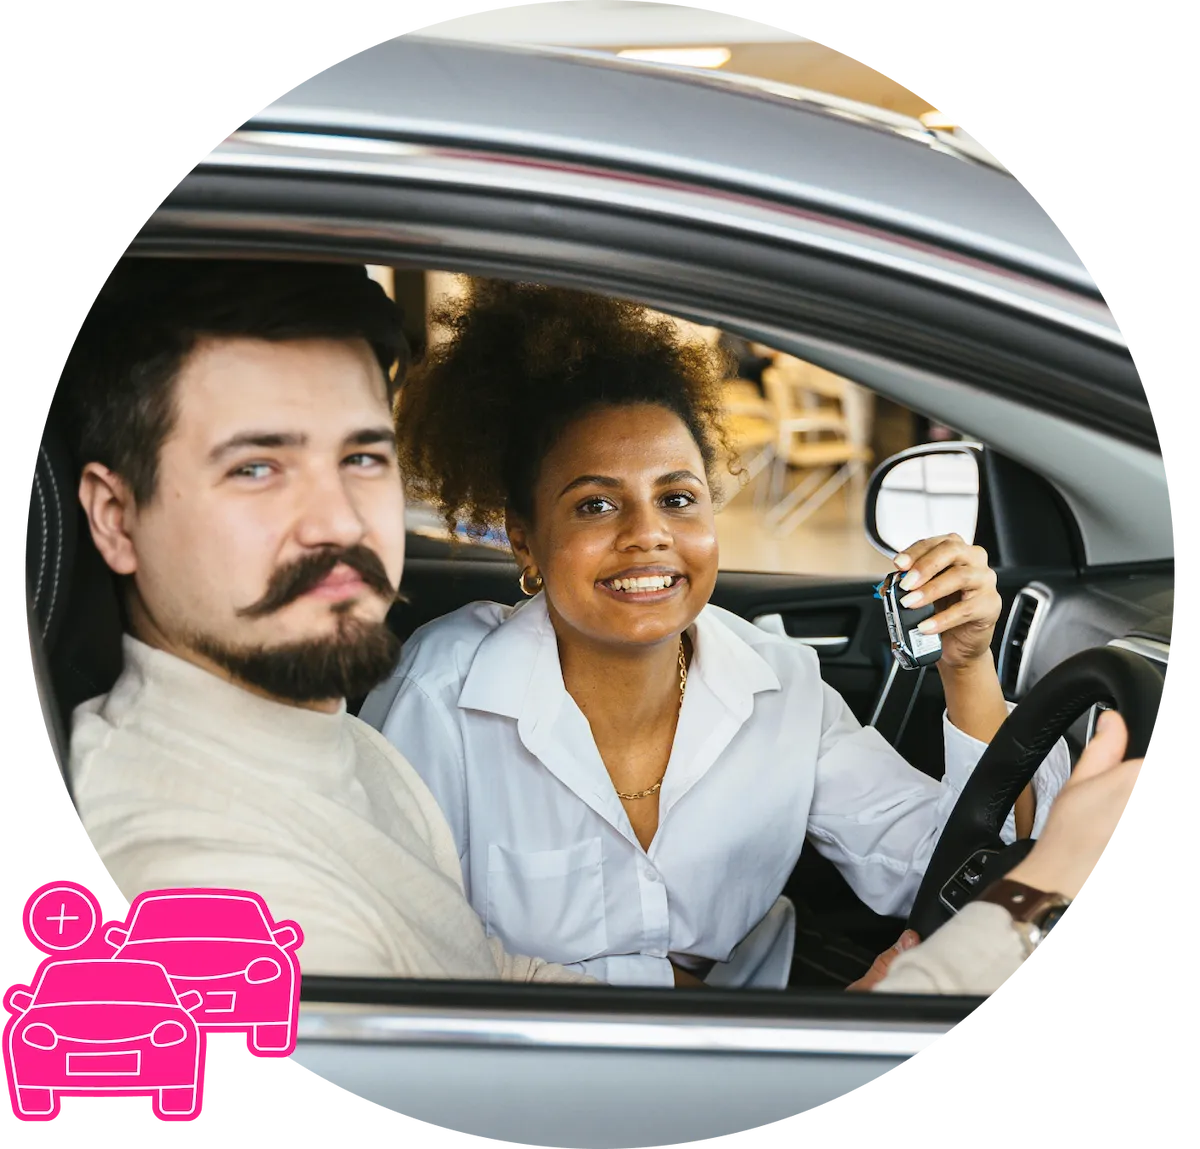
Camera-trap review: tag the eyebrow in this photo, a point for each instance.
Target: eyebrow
(268, 440)
(613, 484)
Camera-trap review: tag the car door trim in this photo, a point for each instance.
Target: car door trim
(400, 161)
(400, 1025)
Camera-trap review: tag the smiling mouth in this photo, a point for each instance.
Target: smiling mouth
(642, 584)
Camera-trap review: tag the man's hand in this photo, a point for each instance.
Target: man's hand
(1084, 814)
(883, 962)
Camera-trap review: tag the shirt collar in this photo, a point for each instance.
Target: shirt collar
(522, 652)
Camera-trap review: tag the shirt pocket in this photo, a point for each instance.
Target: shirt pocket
(548, 903)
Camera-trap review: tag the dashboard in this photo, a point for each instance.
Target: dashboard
(1051, 619)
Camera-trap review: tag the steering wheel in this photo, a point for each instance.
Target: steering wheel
(970, 854)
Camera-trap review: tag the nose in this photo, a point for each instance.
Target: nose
(644, 528)
(328, 515)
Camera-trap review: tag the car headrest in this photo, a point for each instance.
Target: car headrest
(74, 608)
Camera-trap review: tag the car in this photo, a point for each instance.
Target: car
(101, 1026)
(864, 243)
(223, 945)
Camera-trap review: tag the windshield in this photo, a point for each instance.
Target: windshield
(105, 981)
(164, 919)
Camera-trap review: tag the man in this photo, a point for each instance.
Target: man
(239, 476)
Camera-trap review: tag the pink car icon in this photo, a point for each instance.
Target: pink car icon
(99, 1026)
(223, 945)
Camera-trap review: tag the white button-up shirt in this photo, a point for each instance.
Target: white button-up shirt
(765, 753)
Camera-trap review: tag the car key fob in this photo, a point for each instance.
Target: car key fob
(911, 649)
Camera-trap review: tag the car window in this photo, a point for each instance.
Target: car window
(98, 981)
(807, 441)
(166, 919)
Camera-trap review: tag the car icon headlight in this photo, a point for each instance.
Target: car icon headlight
(40, 1036)
(262, 969)
(167, 1033)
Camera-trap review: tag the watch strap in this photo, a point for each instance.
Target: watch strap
(1024, 903)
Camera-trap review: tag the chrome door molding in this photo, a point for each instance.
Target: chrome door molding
(411, 1025)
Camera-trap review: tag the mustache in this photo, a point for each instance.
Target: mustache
(297, 578)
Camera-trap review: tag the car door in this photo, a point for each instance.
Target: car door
(601, 1065)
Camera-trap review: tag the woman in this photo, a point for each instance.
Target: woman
(629, 771)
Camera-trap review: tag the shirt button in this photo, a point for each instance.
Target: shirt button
(649, 874)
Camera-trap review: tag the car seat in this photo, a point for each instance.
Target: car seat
(74, 609)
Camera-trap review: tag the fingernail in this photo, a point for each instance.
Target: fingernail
(908, 939)
(903, 561)
(910, 580)
(927, 627)
(1104, 721)
(913, 599)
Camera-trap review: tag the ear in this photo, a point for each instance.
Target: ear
(518, 538)
(109, 506)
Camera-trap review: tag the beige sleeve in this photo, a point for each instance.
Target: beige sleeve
(515, 968)
(341, 935)
(973, 953)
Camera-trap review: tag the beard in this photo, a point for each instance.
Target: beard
(346, 664)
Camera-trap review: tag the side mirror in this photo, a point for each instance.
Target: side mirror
(18, 999)
(287, 935)
(928, 490)
(191, 999)
(116, 936)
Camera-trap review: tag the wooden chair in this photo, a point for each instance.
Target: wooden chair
(752, 431)
(824, 428)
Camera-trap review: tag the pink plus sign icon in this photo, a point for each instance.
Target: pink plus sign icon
(61, 917)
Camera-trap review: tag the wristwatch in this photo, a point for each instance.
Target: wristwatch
(1034, 912)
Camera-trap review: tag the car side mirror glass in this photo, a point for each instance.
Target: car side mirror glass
(926, 491)
(191, 999)
(116, 936)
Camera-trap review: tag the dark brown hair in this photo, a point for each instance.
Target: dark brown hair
(522, 361)
(116, 395)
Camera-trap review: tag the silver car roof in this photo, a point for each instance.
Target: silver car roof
(770, 140)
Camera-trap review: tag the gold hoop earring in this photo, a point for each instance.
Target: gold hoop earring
(526, 581)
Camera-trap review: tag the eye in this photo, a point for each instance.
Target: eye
(679, 500)
(366, 460)
(256, 472)
(596, 505)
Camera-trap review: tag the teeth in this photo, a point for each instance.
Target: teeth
(644, 583)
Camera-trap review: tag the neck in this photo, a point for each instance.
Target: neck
(146, 629)
(633, 689)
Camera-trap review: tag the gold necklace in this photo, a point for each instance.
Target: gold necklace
(682, 687)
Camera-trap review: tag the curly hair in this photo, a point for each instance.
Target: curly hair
(476, 419)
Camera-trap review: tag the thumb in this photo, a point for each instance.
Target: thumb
(1106, 749)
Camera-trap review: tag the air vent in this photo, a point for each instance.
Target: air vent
(1028, 610)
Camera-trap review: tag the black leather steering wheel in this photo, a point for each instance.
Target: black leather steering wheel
(970, 854)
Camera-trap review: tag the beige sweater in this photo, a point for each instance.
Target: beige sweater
(975, 952)
(185, 780)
